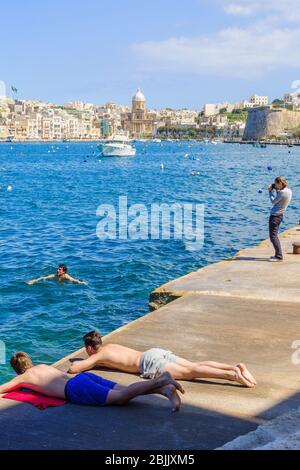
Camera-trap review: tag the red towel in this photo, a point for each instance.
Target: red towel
(36, 399)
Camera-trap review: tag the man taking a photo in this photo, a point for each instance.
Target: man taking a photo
(280, 200)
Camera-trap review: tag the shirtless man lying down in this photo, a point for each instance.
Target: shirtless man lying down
(154, 362)
(86, 388)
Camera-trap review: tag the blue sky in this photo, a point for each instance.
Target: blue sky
(182, 54)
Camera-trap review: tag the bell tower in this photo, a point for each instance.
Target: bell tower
(138, 106)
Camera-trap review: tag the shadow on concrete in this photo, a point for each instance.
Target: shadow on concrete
(285, 406)
(147, 423)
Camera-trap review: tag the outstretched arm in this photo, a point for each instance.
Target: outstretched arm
(11, 385)
(81, 366)
(72, 279)
(44, 278)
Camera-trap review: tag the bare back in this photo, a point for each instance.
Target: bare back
(46, 380)
(115, 356)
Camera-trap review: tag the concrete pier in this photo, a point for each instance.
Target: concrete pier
(242, 309)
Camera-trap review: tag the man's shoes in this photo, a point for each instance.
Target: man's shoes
(274, 259)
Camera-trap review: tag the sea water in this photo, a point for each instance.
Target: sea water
(48, 216)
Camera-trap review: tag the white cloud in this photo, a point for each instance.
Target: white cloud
(284, 9)
(235, 52)
(238, 9)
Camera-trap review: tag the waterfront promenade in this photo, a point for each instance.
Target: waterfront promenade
(242, 309)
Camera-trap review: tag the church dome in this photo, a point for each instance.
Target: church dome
(139, 96)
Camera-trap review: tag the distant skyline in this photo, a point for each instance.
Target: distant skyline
(182, 54)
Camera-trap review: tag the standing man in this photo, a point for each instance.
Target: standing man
(280, 202)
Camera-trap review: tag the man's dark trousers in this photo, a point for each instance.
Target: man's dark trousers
(274, 222)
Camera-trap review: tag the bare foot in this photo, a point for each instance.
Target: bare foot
(170, 392)
(241, 379)
(245, 373)
(167, 379)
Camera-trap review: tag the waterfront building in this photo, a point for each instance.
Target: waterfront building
(34, 124)
(214, 109)
(292, 99)
(182, 118)
(234, 129)
(254, 102)
(139, 122)
(225, 105)
(209, 109)
(247, 105)
(79, 105)
(4, 131)
(257, 100)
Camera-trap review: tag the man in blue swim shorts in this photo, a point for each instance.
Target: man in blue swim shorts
(86, 388)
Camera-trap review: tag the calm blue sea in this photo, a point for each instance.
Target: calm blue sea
(49, 217)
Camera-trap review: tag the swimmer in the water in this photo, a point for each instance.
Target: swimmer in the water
(61, 275)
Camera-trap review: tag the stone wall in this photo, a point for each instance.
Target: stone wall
(265, 122)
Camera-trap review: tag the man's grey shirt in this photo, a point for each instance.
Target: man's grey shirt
(280, 201)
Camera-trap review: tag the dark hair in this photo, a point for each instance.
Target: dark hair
(64, 267)
(93, 339)
(20, 362)
(282, 180)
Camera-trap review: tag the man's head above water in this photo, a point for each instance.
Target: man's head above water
(62, 269)
(92, 342)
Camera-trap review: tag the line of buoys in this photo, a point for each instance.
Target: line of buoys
(270, 168)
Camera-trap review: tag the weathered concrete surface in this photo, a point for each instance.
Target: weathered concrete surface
(282, 433)
(199, 326)
(248, 274)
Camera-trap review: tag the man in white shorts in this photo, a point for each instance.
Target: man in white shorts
(154, 362)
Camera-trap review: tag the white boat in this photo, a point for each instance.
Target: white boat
(117, 146)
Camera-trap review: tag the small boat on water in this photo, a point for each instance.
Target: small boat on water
(117, 146)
